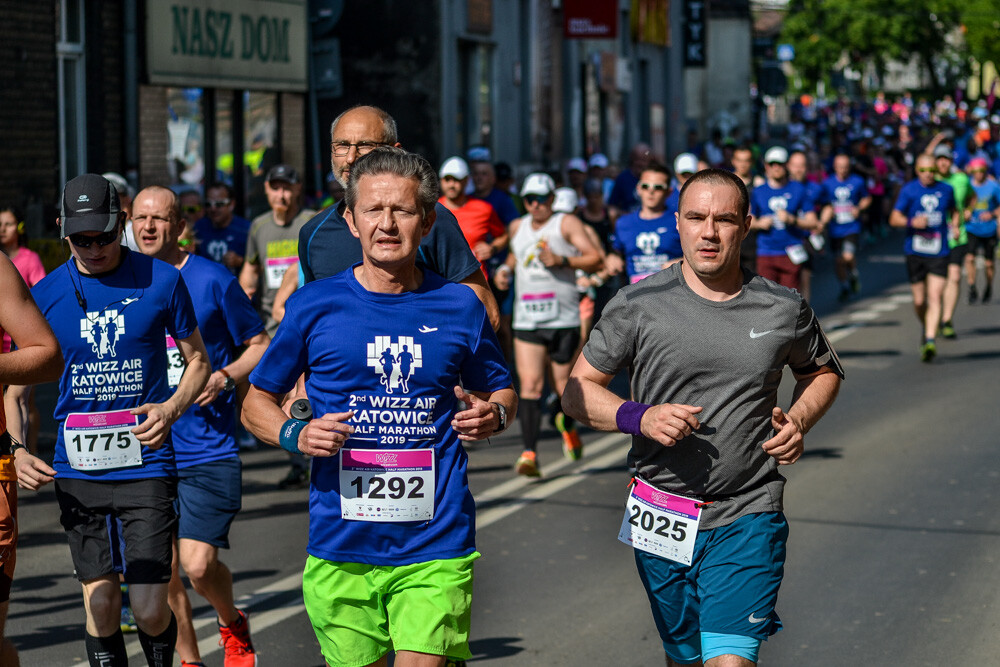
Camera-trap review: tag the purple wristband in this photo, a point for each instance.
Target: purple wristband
(629, 417)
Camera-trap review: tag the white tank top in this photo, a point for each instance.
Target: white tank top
(544, 298)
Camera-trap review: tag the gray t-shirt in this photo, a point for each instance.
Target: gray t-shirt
(276, 250)
(726, 357)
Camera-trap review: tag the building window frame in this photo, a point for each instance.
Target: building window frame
(71, 60)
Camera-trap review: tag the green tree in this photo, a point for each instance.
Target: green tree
(981, 25)
(874, 31)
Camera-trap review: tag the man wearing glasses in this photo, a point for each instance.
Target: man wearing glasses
(782, 212)
(108, 307)
(926, 208)
(647, 239)
(546, 249)
(222, 235)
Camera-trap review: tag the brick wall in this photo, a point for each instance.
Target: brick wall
(293, 131)
(153, 136)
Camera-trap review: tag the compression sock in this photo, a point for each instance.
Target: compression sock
(565, 422)
(107, 651)
(529, 413)
(159, 650)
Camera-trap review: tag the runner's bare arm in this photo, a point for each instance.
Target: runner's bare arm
(588, 400)
(263, 416)
(32, 472)
(38, 357)
(249, 275)
(590, 259)
(239, 369)
(289, 283)
(160, 416)
(477, 282)
(812, 397)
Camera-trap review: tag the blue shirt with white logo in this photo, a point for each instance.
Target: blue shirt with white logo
(214, 242)
(646, 244)
(843, 196)
(936, 202)
(394, 359)
(115, 349)
(226, 319)
(764, 201)
(987, 199)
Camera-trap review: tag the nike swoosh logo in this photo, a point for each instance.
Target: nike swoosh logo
(427, 329)
(755, 334)
(126, 302)
(753, 619)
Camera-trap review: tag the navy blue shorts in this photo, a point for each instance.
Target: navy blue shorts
(730, 588)
(208, 497)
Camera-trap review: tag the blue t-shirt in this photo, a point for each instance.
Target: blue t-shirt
(214, 243)
(226, 319)
(842, 196)
(764, 201)
(987, 199)
(673, 202)
(937, 202)
(623, 196)
(115, 349)
(503, 205)
(646, 245)
(327, 247)
(394, 359)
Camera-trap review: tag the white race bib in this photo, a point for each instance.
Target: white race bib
(660, 523)
(843, 213)
(101, 440)
(276, 267)
(387, 485)
(539, 307)
(927, 244)
(797, 253)
(175, 363)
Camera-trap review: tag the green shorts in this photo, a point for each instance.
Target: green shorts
(360, 611)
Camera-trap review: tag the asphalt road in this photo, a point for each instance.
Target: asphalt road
(892, 558)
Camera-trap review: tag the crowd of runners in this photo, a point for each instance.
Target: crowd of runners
(428, 305)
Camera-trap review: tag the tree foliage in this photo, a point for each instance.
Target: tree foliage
(981, 25)
(874, 31)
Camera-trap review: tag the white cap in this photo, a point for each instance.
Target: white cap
(538, 184)
(686, 163)
(565, 201)
(776, 154)
(454, 166)
(577, 164)
(599, 160)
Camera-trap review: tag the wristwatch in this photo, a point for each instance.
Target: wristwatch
(230, 384)
(501, 416)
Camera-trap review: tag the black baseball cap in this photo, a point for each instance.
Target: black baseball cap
(283, 172)
(89, 204)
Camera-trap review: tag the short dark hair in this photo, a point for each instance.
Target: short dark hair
(719, 177)
(397, 161)
(22, 236)
(221, 185)
(658, 168)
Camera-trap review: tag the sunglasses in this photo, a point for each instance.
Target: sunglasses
(655, 187)
(535, 199)
(105, 239)
(191, 208)
(218, 203)
(926, 170)
(978, 170)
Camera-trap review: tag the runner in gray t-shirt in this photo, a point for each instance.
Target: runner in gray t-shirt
(705, 345)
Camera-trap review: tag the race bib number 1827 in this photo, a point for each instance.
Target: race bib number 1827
(660, 523)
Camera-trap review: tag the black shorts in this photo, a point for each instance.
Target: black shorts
(918, 266)
(986, 244)
(957, 254)
(844, 245)
(145, 508)
(561, 344)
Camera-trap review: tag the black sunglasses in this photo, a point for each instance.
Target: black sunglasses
(105, 239)
(535, 199)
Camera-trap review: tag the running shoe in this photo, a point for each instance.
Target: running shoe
(128, 618)
(235, 639)
(973, 295)
(192, 664)
(572, 447)
(855, 284)
(527, 464)
(928, 351)
(296, 478)
(948, 330)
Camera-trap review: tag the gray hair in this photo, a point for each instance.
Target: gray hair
(399, 162)
(388, 124)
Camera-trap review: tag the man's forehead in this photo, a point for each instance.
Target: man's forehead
(717, 198)
(359, 125)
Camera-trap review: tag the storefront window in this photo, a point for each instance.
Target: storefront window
(186, 138)
(260, 132)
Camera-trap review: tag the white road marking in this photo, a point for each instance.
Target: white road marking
(617, 443)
